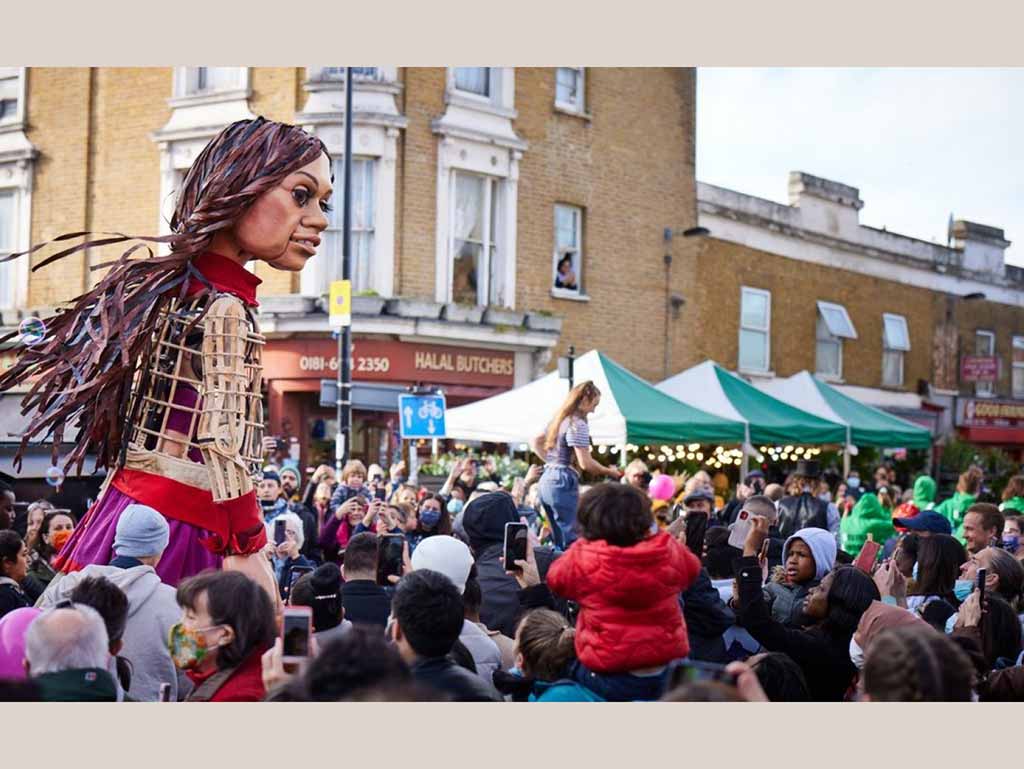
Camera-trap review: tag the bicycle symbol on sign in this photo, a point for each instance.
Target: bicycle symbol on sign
(429, 410)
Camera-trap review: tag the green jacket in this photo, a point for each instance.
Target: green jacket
(954, 509)
(924, 492)
(81, 685)
(867, 517)
(1013, 503)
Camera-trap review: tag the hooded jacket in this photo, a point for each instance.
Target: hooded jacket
(152, 611)
(867, 517)
(786, 600)
(924, 493)
(629, 601)
(954, 509)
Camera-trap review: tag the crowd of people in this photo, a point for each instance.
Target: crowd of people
(819, 588)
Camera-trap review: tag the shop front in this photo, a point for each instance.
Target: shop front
(382, 368)
(992, 422)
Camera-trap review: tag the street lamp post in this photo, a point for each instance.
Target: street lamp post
(343, 441)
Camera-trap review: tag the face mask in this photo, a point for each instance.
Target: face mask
(825, 496)
(1011, 542)
(856, 654)
(59, 539)
(963, 588)
(188, 647)
(454, 506)
(853, 482)
(268, 504)
(430, 517)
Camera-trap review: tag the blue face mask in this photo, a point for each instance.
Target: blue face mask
(853, 482)
(963, 588)
(454, 506)
(429, 518)
(1011, 542)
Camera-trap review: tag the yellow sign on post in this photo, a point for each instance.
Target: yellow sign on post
(340, 312)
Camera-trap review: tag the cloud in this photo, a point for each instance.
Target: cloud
(918, 143)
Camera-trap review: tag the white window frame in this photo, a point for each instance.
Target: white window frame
(17, 176)
(579, 106)
(315, 278)
(848, 333)
(19, 76)
(892, 350)
(985, 389)
(500, 102)
(492, 82)
(822, 335)
(184, 96)
(337, 75)
(558, 254)
(1017, 343)
(491, 246)
(766, 330)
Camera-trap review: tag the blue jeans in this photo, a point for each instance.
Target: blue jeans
(559, 489)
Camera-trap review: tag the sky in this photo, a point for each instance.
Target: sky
(919, 144)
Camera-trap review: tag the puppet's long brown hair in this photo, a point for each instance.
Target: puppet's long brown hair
(86, 361)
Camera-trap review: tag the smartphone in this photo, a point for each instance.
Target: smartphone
(280, 535)
(389, 557)
(982, 574)
(740, 530)
(691, 671)
(165, 693)
(867, 556)
(380, 493)
(516, 536)
(296, 573)
(296, 630)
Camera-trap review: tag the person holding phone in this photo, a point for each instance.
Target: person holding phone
(832, 611)
(283, 545)
(567, 439)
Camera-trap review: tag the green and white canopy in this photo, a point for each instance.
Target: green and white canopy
(631, 411)
(709, 387)
(867, 426)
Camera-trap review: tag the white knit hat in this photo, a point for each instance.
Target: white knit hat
(446, 555)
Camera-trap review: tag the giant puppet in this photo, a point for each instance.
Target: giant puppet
(156, 371)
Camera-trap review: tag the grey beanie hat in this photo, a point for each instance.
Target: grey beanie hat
(141, 532)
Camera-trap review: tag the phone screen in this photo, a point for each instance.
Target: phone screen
(690, 671)
(982, 574)
(380, 493)
(279, 531)
(867, 556)
(296, 573)
(295, 633)
(165, 692)
(389, 557)
(516, 535)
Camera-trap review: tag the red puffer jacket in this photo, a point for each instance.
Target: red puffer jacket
(629, 601)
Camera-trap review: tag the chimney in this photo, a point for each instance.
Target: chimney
(825, 206)
(982, 248)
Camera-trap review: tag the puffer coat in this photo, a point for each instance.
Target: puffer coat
(629, 601)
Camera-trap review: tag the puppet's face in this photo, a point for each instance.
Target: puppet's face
(283, 226)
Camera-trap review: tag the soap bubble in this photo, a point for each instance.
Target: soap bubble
(54, 476)
(32, 331)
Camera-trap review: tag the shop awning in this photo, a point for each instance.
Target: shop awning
(869, 426)
(631, 411)
(710, 387)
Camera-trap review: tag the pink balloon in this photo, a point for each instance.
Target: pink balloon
(13, 629)
(662, 487)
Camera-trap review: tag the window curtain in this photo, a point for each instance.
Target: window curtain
(473, 79)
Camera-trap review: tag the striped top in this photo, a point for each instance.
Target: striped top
(573, 432)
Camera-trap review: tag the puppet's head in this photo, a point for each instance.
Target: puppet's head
(259, 188)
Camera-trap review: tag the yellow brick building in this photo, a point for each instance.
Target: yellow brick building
(470, 186)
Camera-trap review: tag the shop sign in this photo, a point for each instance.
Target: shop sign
(985, 412)
(979, 368)
(389, 361)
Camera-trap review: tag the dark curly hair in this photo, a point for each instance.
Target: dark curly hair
(616, 513)
(849, 596)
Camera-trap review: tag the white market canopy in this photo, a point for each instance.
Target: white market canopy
(631, 411)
